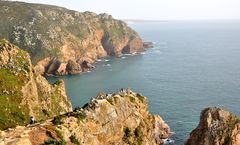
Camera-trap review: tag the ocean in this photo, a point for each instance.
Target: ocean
(194, 65)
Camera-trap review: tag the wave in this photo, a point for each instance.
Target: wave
(99, 60)
(168, 141)
(107, 65)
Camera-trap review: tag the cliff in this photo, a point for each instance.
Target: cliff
(119, 118)
(216, 127)
(23, 93)
(60, 40)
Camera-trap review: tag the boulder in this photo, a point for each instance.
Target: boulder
(73, 67)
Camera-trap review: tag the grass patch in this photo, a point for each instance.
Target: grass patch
(12, 113)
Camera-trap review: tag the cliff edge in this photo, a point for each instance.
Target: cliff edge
(120, 118)
(23, 93)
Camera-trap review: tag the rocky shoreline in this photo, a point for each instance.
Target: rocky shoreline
(54, 66)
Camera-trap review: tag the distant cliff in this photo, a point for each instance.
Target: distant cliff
(62, 41)
(23, 93)
(121, 118)
(216, 127)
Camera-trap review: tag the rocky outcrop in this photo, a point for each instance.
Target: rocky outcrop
(24, 93)
(148, 45)
(54, 36)
(120, 118)
(216, 127)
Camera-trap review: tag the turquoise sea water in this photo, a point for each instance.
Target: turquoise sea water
(194, 65)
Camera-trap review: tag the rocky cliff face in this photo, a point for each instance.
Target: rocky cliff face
(60, 40)
(23, 93)
(216, 127)
(120, 118)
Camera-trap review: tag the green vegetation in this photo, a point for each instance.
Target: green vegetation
(74, 140)
(133, 138)
(127, 135)
(116, 32)
(59, 133)
(110, 100)
(141, 98)
(43, 34)
(132, 99)
(10, 98)
(81, 116)
(45, 112)
(57, 120)
(53, 141)
(238, 119)
(138, 136)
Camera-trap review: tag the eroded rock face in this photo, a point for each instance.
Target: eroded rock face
(216, 127)
(120, 118)
(54, 35)
(24, 93)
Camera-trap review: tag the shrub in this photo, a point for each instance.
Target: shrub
(81, 116)
(55, 142)
(57, 120)
(132, 99)
(50, 141)
(141, 98)
(45, 112)
(127, 135)
(74, 140)
(138, 132)
(110, 100)
(59, 133)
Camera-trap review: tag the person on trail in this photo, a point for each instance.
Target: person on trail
(32, 120)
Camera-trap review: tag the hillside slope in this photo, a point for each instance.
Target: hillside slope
(23, 93)
(63, 41)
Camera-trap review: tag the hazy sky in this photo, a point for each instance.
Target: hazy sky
(155, 9)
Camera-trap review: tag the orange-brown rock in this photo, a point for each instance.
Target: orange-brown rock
(216, 127)
(54, 35)
(121, 118)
